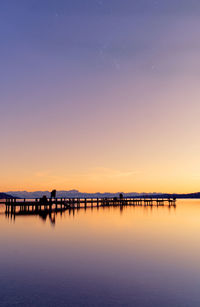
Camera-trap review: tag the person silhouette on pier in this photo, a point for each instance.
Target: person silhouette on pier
(53, 194)
(43, 200)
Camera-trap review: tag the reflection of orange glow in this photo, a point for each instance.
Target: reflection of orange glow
(155, 233)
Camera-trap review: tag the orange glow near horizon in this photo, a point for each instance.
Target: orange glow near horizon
(121, 148)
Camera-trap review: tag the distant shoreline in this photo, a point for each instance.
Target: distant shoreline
(77, 194)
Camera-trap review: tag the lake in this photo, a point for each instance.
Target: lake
(134, 256)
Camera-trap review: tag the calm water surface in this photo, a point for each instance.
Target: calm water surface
(138, 256)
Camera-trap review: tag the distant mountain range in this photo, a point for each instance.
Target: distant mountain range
(76, 193)
(5, 196)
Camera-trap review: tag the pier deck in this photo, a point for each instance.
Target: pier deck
(38, 205)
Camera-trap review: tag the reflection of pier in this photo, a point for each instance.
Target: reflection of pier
(50, 208)
(44, 206)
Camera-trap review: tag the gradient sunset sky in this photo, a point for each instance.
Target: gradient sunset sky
(100, 95)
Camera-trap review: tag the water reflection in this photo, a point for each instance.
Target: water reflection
(130, 256)
(45, 215)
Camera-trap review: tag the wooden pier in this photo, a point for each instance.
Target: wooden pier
(46, 205)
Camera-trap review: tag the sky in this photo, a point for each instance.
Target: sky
(100, 95)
